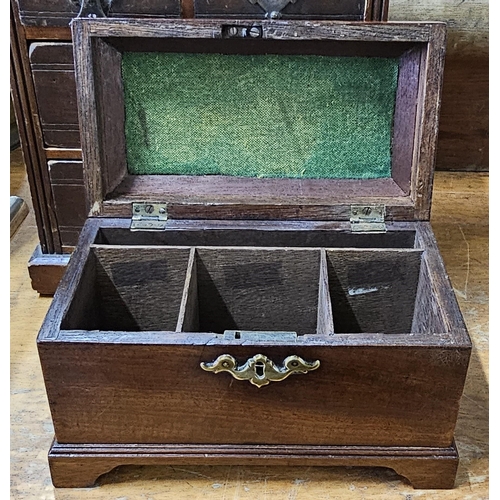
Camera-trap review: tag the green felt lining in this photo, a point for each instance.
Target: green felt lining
(259, 115)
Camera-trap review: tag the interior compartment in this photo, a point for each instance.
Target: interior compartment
(253, 290)
(129, 289)
(235, 237)
(299, 287)
(373, 291)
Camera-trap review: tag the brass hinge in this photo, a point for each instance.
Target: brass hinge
(149, 216)
(368, 219)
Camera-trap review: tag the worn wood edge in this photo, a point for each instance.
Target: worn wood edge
(87, 119)
(212, 197)
(287, 17)
(272, 29)
(430, 105)
(190, 288)
(223, 248)
(346, 450)
(81, 465)
(404, 136)
(264, 211)
(442, 287)
(325, 323)
(192, 317)
(108, 99)
(271, 225)
(393, 340)
(67, 287)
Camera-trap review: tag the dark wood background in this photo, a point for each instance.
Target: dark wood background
(463, 133)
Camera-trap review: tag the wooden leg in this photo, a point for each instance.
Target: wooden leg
(78, 472)
(428, 473)
(77, 466)
(46, 271)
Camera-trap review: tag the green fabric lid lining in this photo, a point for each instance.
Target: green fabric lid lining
(259, 115)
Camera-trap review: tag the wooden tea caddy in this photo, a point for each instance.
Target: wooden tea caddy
(236, 320)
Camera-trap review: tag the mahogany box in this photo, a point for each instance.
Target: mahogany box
(257, 281)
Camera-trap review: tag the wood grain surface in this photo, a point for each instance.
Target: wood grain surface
(53, 76)
(23, 100)
(128, 392)
(66, 178)
(99, 91)
(460, 224)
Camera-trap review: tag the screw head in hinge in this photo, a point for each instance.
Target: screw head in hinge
(368, 218)
(254, 32)
(149, 216)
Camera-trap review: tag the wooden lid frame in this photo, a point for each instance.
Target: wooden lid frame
(99, 44)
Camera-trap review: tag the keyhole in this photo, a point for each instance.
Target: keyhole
(259, 369)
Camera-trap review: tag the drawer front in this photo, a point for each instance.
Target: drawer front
(58, 13)
(66, 179)
(55, 91)
(301, 9)
(126, 393)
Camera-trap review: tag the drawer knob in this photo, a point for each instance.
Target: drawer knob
(259, 370)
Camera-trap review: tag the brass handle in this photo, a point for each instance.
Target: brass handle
(259, 369)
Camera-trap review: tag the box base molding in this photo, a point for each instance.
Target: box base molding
(80, 465)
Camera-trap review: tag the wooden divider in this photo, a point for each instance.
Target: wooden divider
(214, 289)
(325, 315)
(189, 318)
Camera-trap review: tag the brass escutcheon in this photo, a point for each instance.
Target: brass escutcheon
(259, 370)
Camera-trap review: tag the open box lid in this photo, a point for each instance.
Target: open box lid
(199, 119)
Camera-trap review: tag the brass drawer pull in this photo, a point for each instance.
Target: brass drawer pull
(259, 369)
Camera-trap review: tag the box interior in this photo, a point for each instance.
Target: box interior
(255, 122)
(258, 129)
(307, 282)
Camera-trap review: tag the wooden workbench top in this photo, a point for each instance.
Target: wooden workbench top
(460, 222)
